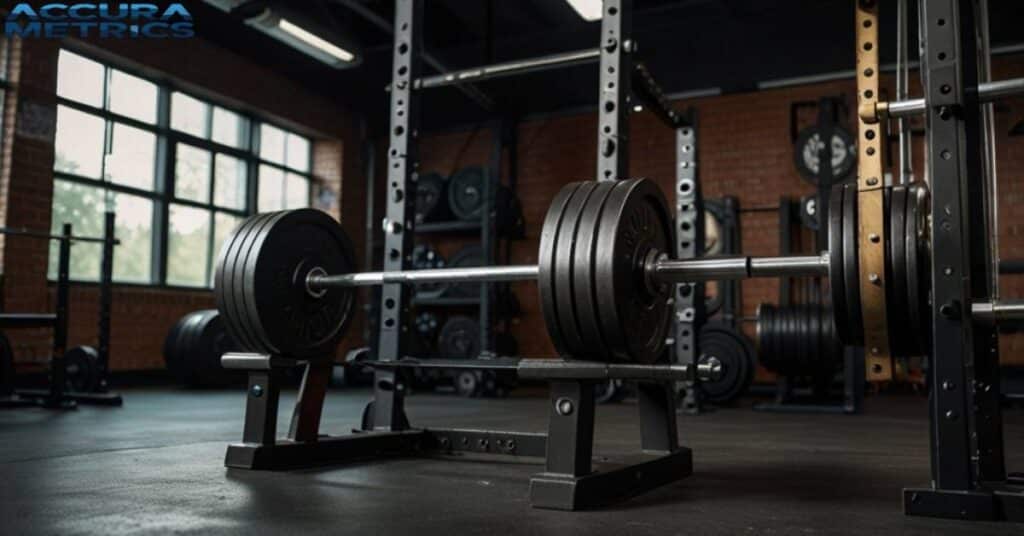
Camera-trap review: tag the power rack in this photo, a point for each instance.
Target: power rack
(569, 480)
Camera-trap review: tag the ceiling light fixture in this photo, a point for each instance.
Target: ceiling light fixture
(590, 10)
(302, 39)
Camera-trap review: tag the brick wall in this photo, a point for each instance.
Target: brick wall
(744, 150)
(142, 316)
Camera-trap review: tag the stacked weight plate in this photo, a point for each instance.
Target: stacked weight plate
(596, 237)
(194, 346)
(798, 340)
(260, 284)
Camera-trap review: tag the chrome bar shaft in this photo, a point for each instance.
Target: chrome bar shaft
(987, 92)
(666, 271)
(739, 268)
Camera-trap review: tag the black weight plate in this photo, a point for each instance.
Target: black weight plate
(765, 330)
(737, 357)
(469, 383)
(210, 341)
(459, 338)
(81, 369)
(252, 248)
(223, 290)
(564, 257)
(427, 324)
(286, 319)
(809, 212)
(178, 341)
(635, 315)
(466, 192)
(469, 256)
(918, 267)
(896, 289)
(171, 347)
(234, 276)
(836, 278)
(431, 197)
(546, 280)
(425, 257)
(851, 266)
(807, 157)
(584, 287)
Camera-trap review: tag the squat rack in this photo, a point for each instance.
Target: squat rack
(569, 480)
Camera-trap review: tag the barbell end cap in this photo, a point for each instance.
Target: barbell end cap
(872, 112)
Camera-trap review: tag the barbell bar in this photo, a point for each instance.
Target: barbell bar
(663, 271)
(285, 281)
(987, 92)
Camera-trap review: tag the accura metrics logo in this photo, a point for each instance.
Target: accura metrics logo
(106, 20)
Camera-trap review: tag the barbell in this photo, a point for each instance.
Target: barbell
(285, 280)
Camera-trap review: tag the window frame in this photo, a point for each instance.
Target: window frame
(167, 139)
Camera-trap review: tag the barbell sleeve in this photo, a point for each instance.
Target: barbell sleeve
(664, 271)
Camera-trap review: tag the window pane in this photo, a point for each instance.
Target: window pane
(229, 182)
(133, 258)
(78, 145)
(192, 174)
(296, 191)
(228, 128)
(298, 152)
(188, 238)
(272, 143)
(188, 114)
(271, 186)
(79, 79)
(132, 96)
(223, 224)
(132, 157)
(81, 206)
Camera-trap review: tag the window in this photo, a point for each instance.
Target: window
(179, 181)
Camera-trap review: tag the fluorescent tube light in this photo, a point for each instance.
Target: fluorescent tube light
(315, 41)
(590, 10)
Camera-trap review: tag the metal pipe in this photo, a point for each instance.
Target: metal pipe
(665, 271)
(988, 141)
(996, 312)
(509, 68)
(906, 173)
(987, 92)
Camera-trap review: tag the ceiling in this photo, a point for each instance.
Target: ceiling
(687, 44)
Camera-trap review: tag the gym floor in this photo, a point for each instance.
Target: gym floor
(156, 466)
